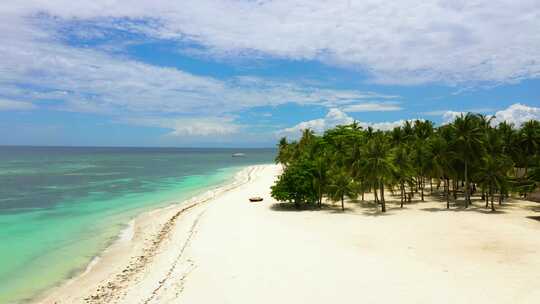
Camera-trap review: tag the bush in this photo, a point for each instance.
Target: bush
(295, 185)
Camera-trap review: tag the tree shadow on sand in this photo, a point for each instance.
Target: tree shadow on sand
(325, 207)
(460, 208)
(533, 208)
(367, 208)
(297, 208)
(536, 218)
(370, 208)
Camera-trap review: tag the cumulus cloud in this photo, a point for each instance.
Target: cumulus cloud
(450, 116)
(333, 118)
(12, 105)
(517, 114)
(404, 42)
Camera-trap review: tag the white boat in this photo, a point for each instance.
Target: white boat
(238, 155)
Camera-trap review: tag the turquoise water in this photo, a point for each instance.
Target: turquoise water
(60, 207)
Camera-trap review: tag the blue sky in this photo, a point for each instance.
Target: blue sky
(244, 73)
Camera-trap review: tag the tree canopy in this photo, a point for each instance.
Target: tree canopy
(470, 155)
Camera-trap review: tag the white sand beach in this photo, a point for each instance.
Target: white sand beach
(228, 250)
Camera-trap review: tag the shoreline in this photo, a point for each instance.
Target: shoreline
(230, 250)
(131, 240)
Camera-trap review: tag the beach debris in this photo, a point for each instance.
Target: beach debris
(255, 199)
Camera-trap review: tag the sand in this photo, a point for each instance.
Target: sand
(228, 250)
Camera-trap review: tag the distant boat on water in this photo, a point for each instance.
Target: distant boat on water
(238, 155)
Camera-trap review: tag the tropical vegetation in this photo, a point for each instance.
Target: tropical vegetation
(471, 156)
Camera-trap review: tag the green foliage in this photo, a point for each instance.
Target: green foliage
(295, 185)
(470, 152)
(341, 186)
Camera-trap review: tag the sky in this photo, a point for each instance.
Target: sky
(243, 73)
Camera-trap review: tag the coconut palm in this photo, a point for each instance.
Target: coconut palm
(468, 143)
(507, 134)
(492, 174)
(377, 165)
(341, 186)
(283, 152)
(529, 141)
(440, 164)
(466, 153)
(320, 176)
(421, 158)
(403, 169)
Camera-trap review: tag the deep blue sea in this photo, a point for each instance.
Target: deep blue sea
(60, 206)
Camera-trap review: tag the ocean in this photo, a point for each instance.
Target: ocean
(62, 206)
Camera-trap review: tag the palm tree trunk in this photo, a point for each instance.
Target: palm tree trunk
(402, 194)
(492, 206)
(383, 204)
(466, 186)
(320, 197)
(422, 187)
(376, 195)
(447, 191)
(454, 189)
(342, 205)
(500, 198)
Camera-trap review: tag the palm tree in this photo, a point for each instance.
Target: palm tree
(529, 140)
(423, 129)
(441, 162)
(402, 169)
(507, 134)
(320, 177)
(377, 165)
(534, 175)
(468, 140)
(421, 158)
(341, 185)
(492, 174)
(465, 153)
(283, 152)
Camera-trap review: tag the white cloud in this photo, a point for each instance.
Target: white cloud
(12, 105)
(186, 127)
(333, 118)
(404, 42)
(385, 126)
(473, 110)
(35, 65)
(450, 116)
(517, 114)
(372, 107)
